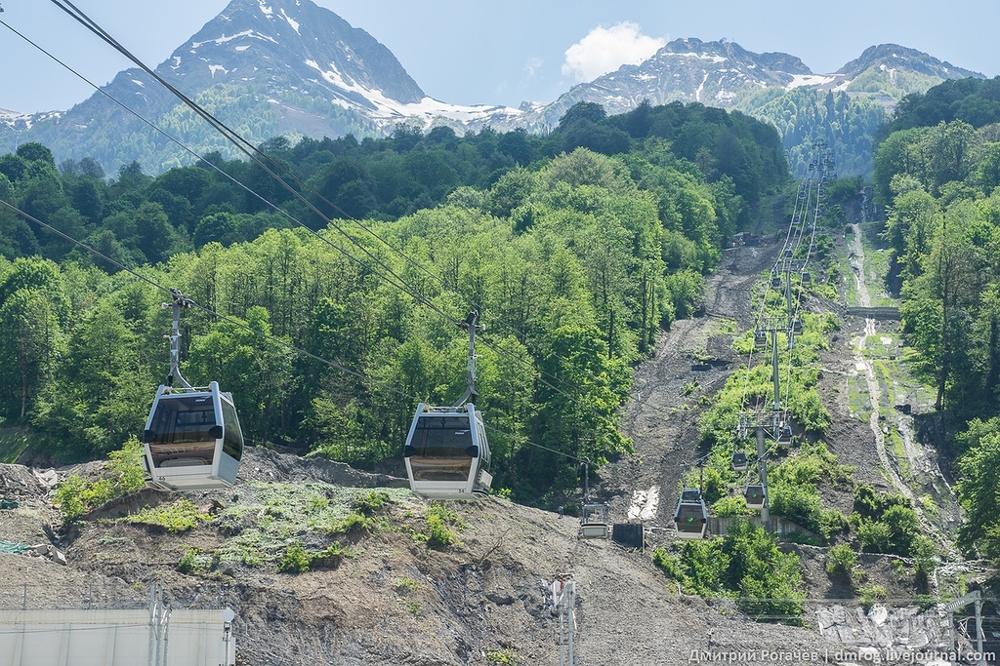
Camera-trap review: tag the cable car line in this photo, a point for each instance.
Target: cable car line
(236, 322)
(281, 211)
(290, 218)
(258, 157)
(242, 145)
(690, 516)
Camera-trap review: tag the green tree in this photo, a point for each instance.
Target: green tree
(30, 334)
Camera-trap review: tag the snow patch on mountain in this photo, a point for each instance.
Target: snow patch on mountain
(225, 38)
(426, 110)
(800, 80)
(292, 22)
(701, 56)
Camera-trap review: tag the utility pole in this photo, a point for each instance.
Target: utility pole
(765, 513)
(471, 326)
(563, 603)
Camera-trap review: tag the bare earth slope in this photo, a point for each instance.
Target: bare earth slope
(395, 601)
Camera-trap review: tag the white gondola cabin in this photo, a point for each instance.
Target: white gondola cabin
(691, 516)
(192, 439)
(446, 453)
(594, 522)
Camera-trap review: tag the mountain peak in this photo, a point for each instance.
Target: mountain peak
(894, 57)
(319, 47)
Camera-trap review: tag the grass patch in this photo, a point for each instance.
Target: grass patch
(504, 656)
(175, 518)
(405, 584)
(858, 400)
(439, 533)
(13, 442)
(195, 561)
(895, 441)
(271, 516)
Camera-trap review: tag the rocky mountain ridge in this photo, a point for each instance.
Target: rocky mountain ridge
(722, 74)
(286, 67)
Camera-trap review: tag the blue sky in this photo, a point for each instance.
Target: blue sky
(477, 52)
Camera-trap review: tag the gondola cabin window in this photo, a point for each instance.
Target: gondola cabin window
(184, 431)
(442, 449)
(232, 443)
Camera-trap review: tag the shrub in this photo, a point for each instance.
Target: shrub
(371, 503)
(872, 594)
(296, 559)
(75, 496)
(831, 522)
(746, 564)
(873, 535)
(355, 522)
(439, 522)
(189, 560)
(734, 505)
(840, 562)
(800, 504)
(504, 656)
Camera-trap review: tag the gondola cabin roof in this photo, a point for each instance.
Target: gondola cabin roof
(192, 439)
(446, 453)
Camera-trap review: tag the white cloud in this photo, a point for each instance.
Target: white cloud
(604, 50)
(533, 65)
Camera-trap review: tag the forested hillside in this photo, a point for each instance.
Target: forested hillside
(805, 116)
(938, 175)
(576, 249)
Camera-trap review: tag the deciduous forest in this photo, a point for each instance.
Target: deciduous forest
(576, 248)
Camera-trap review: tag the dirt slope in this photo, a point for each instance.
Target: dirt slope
(395, 601)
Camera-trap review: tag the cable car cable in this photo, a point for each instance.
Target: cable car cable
(267, 336)
(281, 211)
(267, 202)
(256, 155)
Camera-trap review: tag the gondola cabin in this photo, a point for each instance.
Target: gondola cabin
(691, 516)
(192, 439)
(785, 434)
(754, 496)
(446, 453)
(594, 522)
(740, 461)
(760, 339)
